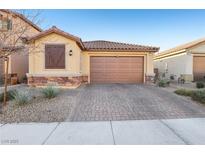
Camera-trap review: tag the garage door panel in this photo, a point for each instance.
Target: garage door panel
(112, 70)
(116, 69)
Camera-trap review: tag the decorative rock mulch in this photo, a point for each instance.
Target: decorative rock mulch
(39, 109)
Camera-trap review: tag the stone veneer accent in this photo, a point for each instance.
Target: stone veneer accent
(149, 79)
(59, 81)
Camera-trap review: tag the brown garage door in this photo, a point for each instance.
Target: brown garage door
(198, 67)
(116, 69)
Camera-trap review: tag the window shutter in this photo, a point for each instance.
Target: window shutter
(55, 56)
(47, 57)
(60, 62)
(9, 25)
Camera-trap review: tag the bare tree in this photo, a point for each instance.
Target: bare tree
(13, 34)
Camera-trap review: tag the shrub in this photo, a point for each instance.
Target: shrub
(183, 92)
(9, 96)
(21, 98)
(23, 79)
(200, 85)
(163, 83)
(198, 96)
(50, 92)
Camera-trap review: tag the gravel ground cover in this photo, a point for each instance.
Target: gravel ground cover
(40, 109)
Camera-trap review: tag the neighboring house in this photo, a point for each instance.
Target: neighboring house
(186, 61)
(63, 59)
(18, 63)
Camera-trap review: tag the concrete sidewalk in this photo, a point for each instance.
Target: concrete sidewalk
(174, 131)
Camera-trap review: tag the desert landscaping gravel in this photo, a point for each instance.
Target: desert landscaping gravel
(40, 109)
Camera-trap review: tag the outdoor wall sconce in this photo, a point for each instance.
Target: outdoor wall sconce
(71, 52)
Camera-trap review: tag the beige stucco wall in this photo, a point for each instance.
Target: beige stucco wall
(18, 63)
(150, 64)
(37, 57)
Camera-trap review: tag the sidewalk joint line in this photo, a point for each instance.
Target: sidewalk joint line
(177, 134)
(112, 132)
(50, 133)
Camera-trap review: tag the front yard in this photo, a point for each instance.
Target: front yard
(40, 109)
(102, 102)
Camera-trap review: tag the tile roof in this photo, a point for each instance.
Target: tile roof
(181, 47)
(101, 45)
(23, 18)
(98, 45)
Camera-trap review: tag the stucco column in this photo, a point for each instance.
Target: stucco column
(149, 74)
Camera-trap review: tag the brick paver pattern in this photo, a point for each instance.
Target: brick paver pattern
(99, 102)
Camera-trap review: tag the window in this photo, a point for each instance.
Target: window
(55, 56)
(5, 24)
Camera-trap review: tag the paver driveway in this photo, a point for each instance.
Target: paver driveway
(129, 102)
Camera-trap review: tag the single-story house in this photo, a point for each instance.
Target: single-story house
(64, 59)
(186, 61)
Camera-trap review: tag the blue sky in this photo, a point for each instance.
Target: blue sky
(163, 28)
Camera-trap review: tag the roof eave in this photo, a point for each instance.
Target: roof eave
(160, 56)
(42, 34)
(118, 50)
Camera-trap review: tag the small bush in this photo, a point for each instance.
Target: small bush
(163, 83)
(21, 98)
(200, 85)
(198, 96)
(10, 95)
(23, 79)
(184, 92)
(50, 92)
